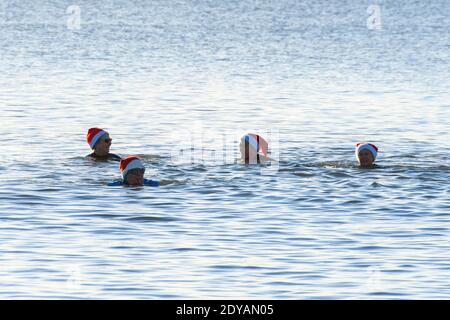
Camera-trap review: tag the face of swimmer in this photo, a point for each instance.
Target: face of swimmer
(365, 158)
(135, 177)
(248, 152)
(102, 146)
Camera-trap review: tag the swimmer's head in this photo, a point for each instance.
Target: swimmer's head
(366, 154)
(251, 145)
(99, 141)
(132, 171)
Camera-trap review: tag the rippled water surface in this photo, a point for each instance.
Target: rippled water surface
(157, 73)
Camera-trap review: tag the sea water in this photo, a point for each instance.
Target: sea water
(177, 83)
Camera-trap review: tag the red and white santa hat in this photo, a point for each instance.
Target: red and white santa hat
(130, 163)
(257, 142)
(360, 146)
(93, 135)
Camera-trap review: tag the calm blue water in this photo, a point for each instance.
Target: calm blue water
(165, 76)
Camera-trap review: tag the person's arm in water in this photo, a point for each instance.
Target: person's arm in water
(151, 183)
(117, 183)
(156, 183)
(166, 182)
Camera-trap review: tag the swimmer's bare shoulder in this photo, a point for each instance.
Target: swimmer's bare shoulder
(111, 156)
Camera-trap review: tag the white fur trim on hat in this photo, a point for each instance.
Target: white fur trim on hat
(135, 164)
(366, 146)
(96, 137)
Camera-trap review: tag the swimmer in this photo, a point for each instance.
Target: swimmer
(133, 170)
(366, 154)
(100, 142)
(253, 149)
